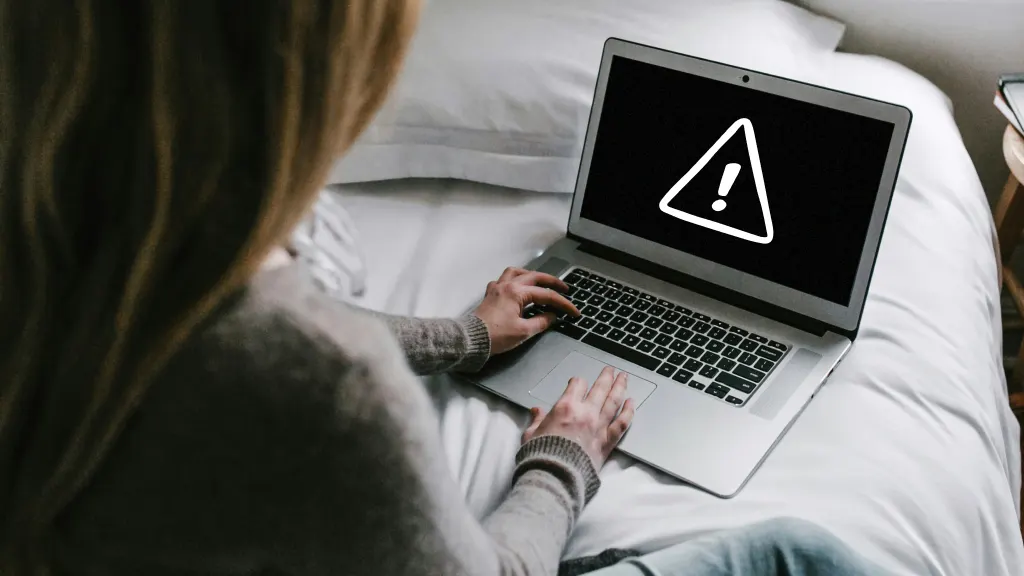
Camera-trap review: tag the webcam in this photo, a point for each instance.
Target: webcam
(746, 78)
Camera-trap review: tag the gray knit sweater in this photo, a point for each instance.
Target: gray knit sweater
(291, 436)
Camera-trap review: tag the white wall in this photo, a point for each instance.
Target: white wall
(960, 45)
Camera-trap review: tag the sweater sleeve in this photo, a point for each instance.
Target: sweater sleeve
(435, 345)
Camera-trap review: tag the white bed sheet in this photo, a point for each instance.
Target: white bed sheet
(909, 453)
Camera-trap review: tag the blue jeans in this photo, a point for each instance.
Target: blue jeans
(784, 546)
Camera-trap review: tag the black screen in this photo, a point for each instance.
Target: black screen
(821, 171)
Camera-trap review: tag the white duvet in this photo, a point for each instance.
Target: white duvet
(909, 453)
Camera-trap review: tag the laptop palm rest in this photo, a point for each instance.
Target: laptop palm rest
(550, 389)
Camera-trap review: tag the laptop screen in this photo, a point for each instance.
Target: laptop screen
(774, 187)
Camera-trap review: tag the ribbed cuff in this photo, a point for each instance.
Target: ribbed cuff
(478, 344)
(564, 458)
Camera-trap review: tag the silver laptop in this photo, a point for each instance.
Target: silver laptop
(722, 237)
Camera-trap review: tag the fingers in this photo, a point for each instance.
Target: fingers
(575, 391)
(545, 297)
(619, 426)
(537, 415)
(615, 397)
(510, 273)
(599, 391)
(541, 279)
(538, 324)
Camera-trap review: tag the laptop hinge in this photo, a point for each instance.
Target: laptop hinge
(731, 297)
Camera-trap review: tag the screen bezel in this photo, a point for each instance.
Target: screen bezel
(844, 317)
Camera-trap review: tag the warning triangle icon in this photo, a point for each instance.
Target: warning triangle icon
(727, 180)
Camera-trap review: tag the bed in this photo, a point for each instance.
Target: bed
(909, 453)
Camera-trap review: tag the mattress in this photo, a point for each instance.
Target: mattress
(909, 453)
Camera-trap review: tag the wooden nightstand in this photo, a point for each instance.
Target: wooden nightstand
(1009, 216)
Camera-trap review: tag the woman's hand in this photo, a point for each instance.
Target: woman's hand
(502, 308)
(591, 419)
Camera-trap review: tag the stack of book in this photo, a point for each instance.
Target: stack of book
(1010, 99)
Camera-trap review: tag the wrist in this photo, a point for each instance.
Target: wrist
(478, 343)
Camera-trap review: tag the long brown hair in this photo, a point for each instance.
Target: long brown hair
(151, 154)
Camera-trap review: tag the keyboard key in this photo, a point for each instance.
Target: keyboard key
(587, 323)
(658, 310)
(618, 322)
(764, 365)
(726, 364)
(778, 345)
(738, 330)
(616, 334)
(531, 312)
(682, 310)
(665, 303)
(596, 278)
(719, 323)
(590, 310)
(717, 390)
(699, 339)
(572, 290)
(684, 334)
(758, 338)
(627, 299)
(677, 359)
(671, 316)
(570, 330)
(663, 340)
(572, 319)
(686, 322)
(748, 358)
(586, 284)
(668, 328)
(731, 352)
(648, 297)
(641, 305)
(604, 316)
(648, 334)
(701, 328)
(633, 328)
(694, 352)
(596, 299)
(717, 333)
(682, 376)
(708, 371)
(654, 323)
(667, 370)
(610, 305)
(660, 352)
(626, 353)
(695, 384)
(628, 290)
(748, 345)
(645, 346)
(624, 311)
(748, 373)
(710, 357)
(733, 400)
(701, 317)
(612, 294)
(613, 284)
(638, 316)
(582, 295)
(677, 345)
(631, 340)
(602, 289)
(602, 329)
(714, 345)
(572, 278)
(732, 338)
(582, 272)
(735, 382)
(693, 365)
(769, 353)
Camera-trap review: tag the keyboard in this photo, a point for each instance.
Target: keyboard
(704, 353)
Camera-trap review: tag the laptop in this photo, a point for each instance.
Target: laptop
(720, 245)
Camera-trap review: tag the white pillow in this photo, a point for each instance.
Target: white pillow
(499, 91)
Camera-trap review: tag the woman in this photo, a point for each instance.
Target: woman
(167, 408)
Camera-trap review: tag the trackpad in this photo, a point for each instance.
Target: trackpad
(575, 364)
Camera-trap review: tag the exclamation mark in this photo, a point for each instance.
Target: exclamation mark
(732, 170)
